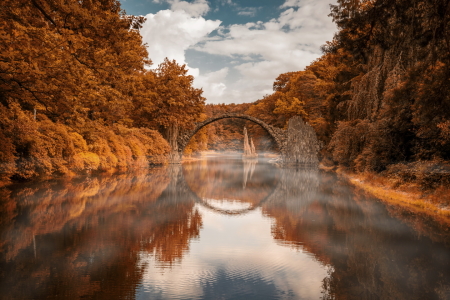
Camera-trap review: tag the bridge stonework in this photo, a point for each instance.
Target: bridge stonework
(302, 145)
(297, 145)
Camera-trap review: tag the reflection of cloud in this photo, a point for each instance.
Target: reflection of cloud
(236, 255)
(228, 204)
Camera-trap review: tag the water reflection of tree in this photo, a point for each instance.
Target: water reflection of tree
(85, 238)
(370, 254)
(170, 242)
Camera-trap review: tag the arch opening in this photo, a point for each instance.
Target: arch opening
(277, 134)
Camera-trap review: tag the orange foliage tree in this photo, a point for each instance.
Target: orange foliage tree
(380, 93)
(172, 101)
(71, 76)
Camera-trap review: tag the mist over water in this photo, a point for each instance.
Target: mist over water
(216, 228)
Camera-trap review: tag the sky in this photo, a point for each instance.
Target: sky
(235, 49)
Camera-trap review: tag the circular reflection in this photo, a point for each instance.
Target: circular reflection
(230, 186)
(228, 204)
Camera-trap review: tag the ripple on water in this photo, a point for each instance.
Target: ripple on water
(236, 258)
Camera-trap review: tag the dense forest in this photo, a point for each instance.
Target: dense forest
(379, 96)
(78, 92)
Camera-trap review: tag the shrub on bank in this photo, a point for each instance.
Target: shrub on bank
(427, 174)
(425, 181)
(40, 147)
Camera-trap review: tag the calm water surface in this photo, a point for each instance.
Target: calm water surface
(218, 228)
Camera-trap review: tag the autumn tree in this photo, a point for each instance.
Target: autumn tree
(69, 74)
(380, 92)
(71, 60)
(401, 94)
(304, 93)
(174, 104)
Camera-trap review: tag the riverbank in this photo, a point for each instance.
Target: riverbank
(412, 196)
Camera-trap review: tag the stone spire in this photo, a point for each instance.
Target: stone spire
(249, 149)
(252, 147)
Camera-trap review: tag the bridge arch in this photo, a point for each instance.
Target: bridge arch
(278, 135)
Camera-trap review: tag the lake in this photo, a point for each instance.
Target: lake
(216, 228)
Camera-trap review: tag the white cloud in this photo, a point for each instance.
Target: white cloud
(169, 33)
(295, 3)
(248, 11)
(271, 40)
(227, 2)
(309, 14)
(212, 83)
(259, 51)
(223, 87)
(288, 43)
(196, 9)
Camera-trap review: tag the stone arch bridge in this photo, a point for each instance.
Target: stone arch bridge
(297, 145)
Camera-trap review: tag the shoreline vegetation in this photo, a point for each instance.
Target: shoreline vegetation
(48, 149)
(416, 196)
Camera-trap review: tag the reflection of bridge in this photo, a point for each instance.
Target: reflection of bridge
(295, 188)
(298, 144)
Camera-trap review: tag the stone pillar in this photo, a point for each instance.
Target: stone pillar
(302, 145)
(247, 150)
